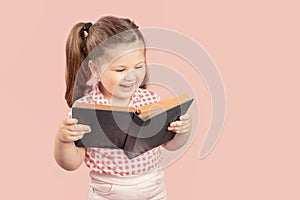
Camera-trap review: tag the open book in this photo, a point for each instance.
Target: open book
(133, 130)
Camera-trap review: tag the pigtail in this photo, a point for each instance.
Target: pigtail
(77, 72)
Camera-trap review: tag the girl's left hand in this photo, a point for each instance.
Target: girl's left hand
(181, 126)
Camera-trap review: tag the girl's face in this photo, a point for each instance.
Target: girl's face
(123, 76)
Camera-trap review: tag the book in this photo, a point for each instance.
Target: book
(135, 130)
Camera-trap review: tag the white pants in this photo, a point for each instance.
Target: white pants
(148, 186)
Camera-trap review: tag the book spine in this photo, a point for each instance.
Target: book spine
(123, 147)
(133, 117)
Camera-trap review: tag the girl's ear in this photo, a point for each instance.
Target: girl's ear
(94, 69)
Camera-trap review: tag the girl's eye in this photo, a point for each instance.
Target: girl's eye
(139, 67)
(120, 70)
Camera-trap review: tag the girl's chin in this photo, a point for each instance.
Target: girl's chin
(124, 92)
(127, 89)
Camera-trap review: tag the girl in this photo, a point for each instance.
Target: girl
(112, 52)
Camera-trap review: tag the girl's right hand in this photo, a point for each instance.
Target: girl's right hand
(69, 131)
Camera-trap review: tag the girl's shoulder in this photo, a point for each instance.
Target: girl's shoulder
(85, 99)
(93, 97)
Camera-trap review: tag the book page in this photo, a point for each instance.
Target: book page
(150, 110)
(103, 107)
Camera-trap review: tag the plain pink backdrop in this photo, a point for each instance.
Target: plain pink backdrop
(255, 45)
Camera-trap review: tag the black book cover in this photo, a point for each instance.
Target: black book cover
(125, 129)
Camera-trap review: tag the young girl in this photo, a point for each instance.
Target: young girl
(112, 52)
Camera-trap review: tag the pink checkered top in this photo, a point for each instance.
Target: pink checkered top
(114, 161)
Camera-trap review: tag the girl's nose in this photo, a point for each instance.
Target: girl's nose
(130, 76)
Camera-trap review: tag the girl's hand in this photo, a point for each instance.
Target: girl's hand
(69, 131)
(182, 126)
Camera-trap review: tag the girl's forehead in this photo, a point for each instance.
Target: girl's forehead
(130, 57)
(126, 55)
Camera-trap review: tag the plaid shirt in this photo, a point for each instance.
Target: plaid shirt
(114, 161)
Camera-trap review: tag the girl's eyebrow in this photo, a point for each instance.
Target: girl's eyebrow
(140, 62)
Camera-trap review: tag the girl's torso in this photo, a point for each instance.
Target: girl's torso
(114, 161)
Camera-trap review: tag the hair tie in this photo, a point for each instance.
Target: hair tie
(87, 26)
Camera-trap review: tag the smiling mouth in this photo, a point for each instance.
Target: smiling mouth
(127, 85)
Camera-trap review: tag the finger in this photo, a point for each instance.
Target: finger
(180, 130)
(174, 129)
(187, 126)
(76, 133)
(176, 124)
(180, 125)
(78, 137)
(184, 117)
(75, 137)
(70, 136)
(70, 121)
(79, 127)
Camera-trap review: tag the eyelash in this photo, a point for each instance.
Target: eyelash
(139, 67)
(121, 70)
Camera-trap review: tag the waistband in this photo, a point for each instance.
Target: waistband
(125, 180)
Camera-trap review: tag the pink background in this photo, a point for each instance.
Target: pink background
(256, 48)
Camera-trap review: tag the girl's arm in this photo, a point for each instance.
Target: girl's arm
(182, 128)
(66, 154)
